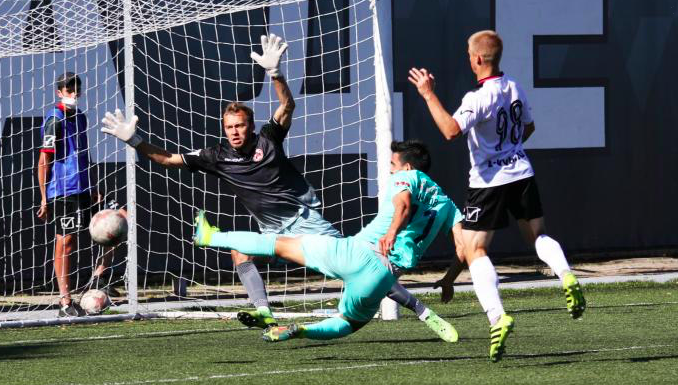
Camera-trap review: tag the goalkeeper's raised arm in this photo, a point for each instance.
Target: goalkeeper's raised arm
(272, 48)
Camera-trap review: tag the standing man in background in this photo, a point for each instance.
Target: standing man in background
(65, 190)
(497, 119)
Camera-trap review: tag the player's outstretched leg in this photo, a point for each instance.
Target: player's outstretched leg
(203, 231)
(576, 303)
(331, 328)
(499, 332)
(281, 333)
(246, 242)
(444, 329)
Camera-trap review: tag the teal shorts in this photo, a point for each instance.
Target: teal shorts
(366, 279)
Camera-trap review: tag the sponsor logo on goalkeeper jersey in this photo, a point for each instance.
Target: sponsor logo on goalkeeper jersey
(235, 160)
(402, 183)
(258, 155)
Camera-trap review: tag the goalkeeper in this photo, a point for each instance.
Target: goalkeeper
(266, 183)
(406, 224)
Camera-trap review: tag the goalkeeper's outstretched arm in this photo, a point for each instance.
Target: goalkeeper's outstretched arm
(125, 130)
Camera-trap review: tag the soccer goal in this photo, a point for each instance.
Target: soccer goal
(175, 64)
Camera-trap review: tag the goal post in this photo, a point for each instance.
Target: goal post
(383, 117)
(175, 64)
(130, 166)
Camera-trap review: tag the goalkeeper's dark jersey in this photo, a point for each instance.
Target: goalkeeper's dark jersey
(260, 175)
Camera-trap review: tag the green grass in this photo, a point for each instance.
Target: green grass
(627, 336)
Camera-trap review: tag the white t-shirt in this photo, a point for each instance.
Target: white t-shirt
(493, 116)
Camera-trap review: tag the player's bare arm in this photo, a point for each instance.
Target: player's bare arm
(402, 203)
(283, 114)
(44, 165)
(125, 130)
(160, 155)
(425, 83)
(529, 130)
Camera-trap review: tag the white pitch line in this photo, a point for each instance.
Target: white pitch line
(366, 366)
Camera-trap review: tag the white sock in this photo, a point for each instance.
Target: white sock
(425, 314)
(486, 286)
(549, 251)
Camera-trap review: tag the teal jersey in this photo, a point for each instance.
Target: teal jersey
(431, 211)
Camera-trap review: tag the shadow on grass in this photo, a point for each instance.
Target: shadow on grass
(234, 362)
(27, 352)
(558, 309)
(75, 340)
(433, 340)
(400, 359)
(556, 363)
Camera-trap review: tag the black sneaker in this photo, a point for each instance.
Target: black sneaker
(71, 310)
(111, 291)
(101, 284)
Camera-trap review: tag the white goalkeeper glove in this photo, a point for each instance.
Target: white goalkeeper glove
(124, 130)
(273, 50)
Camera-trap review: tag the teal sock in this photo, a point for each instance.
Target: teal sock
(328, 329)
(246, 242)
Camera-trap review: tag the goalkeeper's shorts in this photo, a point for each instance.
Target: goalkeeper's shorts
(309, 221)
(366, 279)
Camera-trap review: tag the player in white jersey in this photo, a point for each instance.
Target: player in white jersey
(496, 118)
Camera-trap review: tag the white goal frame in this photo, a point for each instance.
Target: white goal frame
(383, 119)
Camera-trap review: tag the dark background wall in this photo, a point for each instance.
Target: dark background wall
(619, 197)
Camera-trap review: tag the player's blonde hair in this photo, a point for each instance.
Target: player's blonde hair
(488, 45)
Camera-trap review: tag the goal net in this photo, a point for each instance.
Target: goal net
(175, 64)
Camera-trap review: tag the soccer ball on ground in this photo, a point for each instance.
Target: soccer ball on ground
(108, 227)
(94, 301)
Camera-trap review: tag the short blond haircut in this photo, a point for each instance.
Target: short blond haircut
(488, 45)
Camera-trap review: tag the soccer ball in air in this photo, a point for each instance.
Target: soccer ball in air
(94, 301)
(108, 227)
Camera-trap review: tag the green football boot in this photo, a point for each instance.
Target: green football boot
(203, 230)
(256, 319)
(576, 303)
(444, 329)
(499, 332)
(282, 333)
